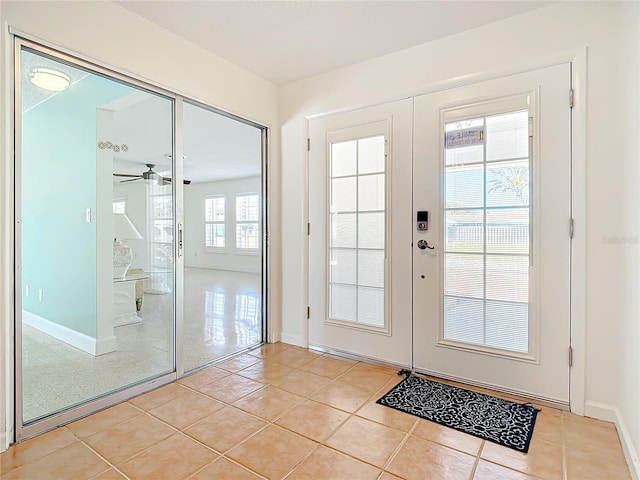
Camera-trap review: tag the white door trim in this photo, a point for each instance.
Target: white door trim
(578, 59)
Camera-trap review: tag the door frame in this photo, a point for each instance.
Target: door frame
(12, 429)
(578, 60)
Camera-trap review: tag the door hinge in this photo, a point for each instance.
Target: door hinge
(530, 127)
(308, 229)
(308, 313)
(571, 228)
(571, 98)
(570, 357)
(308, 144)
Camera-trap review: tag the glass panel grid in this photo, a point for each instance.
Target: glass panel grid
(486, 235)
(214, 217)
(357, 231)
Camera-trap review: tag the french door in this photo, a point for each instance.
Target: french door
(360, 213)
(492, 165)
(473, 283)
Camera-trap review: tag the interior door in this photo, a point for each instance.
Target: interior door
(491, 286)
(360, 213)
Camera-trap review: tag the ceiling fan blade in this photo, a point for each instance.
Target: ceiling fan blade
(131, 180)
(126, 175)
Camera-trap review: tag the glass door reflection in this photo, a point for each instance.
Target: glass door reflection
(95, 236)
(223, 225)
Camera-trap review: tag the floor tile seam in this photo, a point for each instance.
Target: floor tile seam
(396, 451)
(78, 439)
(477, 460)
(239, 398)
(246, 467)
(104, 459)
(224, 452)
(565, 472)
(317, 446)
(386, 425)
(228, 459)
(513, 469)
(350, 455)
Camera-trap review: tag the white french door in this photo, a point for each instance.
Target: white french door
(360, 213)
(492, 165)
(483, 294)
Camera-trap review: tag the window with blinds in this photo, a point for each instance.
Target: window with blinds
(487, 227)
(357, 231)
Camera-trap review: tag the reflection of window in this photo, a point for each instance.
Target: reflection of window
(214, 329)
(120, 205)
(247, 216)
(247, 318)
(214, 221)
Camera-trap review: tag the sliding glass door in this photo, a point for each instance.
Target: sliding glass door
(223, 225)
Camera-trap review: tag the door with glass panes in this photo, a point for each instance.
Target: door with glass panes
(359, 243)
(491, 289)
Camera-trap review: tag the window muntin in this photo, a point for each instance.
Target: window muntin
(486, 237)
(357, 231)
(214, 221)
(247, 221)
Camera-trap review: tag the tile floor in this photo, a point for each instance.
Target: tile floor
(285, 412)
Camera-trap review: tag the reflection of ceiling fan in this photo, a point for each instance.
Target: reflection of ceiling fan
(148, 175)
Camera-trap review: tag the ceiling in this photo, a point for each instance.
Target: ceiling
(284, 41)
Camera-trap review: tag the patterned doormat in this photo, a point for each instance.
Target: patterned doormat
(500, 421)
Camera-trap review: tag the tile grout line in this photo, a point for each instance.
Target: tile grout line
(477, 460)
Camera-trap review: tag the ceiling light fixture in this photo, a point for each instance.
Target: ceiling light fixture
(49, 79)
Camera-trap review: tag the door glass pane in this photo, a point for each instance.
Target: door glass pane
(223, 291)
(487, 220)
(97, 314)
(357, 239)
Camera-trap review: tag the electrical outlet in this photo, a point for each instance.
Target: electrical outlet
(40, 294)
(26, 290)
(88, 215)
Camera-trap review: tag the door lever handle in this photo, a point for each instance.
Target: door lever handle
(422, 244)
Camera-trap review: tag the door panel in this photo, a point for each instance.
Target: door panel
(360, 255)
(492, 166)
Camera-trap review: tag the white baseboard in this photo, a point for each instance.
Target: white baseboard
(609, 413)
(296, 340)
(4, 442)
(72, 337)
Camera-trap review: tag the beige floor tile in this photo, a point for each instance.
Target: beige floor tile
(295, 357)
(388, 476)
(301, 382)
(269, 350)
(238, 363)
(590, 435)
(328, 366)
(490, 471)
(419, 459)
(99, 421)
(387, 416)
(548, 427)
(543, 459)
(313, 420)
(186, 410)
(231, 388)
(325, 463)
(272, 452)
(175, 458)
(367, 377)
(225, 428)
(205, 377)
(111, 474)
(74, 461)
(369, 441)
(341, 395)
(265, 372)
(225, 469)
(155, 398)
(448, 437)
(268, 403)
(592, 465)
(35, 448)
(123, 441)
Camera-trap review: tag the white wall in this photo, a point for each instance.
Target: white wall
(111, 35)
(229, 258)
(610, 32)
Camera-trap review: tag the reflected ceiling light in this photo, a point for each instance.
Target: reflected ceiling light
(49, 79)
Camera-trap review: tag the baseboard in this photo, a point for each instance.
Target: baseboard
(296, 340)
(609, 413)
(74, 338)
(4, 442)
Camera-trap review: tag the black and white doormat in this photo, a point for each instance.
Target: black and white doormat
(500, 421)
